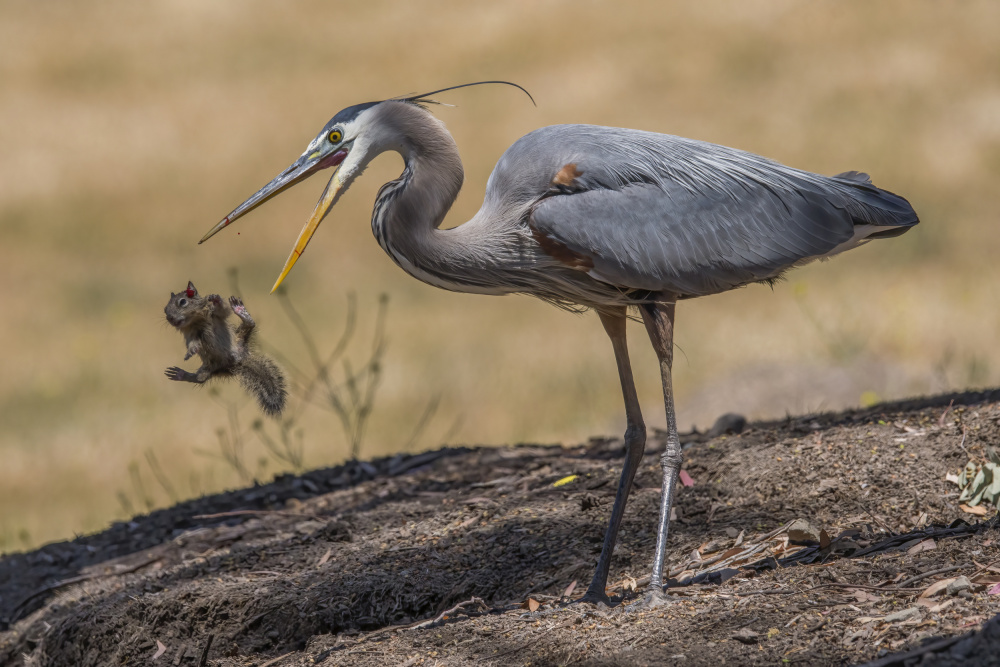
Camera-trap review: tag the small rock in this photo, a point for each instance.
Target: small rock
(960, 584)
(802, 531)
(728, 424)
(306, 527)
(903, 615)
(746, 635)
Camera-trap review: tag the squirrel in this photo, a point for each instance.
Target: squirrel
(224, 351)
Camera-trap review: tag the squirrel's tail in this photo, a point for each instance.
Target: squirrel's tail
(261, 377)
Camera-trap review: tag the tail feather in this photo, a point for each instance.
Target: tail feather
(261, 377)
(869, 204)
(859, 176)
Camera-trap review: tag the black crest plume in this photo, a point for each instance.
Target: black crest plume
(424, 98)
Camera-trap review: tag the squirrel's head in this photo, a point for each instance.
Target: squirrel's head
(180, 304)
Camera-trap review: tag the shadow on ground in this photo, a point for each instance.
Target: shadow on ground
(339, 566)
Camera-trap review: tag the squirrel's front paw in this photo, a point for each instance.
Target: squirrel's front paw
(175, 373)
(236, 304)
(192, 350)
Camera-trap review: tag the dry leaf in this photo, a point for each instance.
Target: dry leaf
(564, 481)
(925, 545)
(995, 590)
(978, 510)
(160, 649)
(686, 478)
(865, 596)
(824, 539)
(732, 552)
(324, 558)
(630, 584)
(944, 605)
(937, 587)
(951, 477)
(531, 604)
(570, 589)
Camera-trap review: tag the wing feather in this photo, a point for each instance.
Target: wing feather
(661, 213)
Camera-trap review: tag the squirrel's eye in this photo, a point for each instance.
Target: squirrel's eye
(335, 136)
(182, 302)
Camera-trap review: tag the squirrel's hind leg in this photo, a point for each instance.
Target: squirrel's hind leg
(246, 321)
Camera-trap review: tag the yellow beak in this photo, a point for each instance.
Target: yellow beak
(305, 166)
(323, 206)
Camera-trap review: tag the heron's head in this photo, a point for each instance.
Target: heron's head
(346, 144)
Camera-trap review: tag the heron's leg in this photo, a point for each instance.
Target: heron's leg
(635, 443)
(659, 320)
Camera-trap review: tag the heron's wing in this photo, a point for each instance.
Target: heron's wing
(696, 219)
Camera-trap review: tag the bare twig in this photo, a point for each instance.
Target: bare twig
(292, 446)
(222, 515)
(275, 661)
(16, 614)
(204, 654)
(161, 477)
(776, 531)
(425, 418)
(446, 612)
(945, 413)
(532, 641)
(943, 570)
(139, 487)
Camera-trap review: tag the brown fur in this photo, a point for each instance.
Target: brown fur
(223, 350)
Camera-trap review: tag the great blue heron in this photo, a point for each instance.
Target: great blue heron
(593, 217)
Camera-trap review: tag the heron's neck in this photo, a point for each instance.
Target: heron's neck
(428, 186)
(409, 211)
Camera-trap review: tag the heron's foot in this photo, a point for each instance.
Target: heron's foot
(596, 598)
(653, 598)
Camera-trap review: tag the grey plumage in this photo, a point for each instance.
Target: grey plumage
(594, 217)
(661, 213)
(653, 213)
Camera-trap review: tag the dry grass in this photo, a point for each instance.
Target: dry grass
(129, 129)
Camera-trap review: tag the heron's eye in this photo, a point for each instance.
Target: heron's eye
(335, 136)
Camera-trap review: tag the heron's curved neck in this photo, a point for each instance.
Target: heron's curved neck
(409, 210)
(418, 201)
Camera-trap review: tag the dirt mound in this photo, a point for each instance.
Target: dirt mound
(467, 556)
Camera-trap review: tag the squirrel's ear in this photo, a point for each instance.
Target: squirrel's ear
(191, 290)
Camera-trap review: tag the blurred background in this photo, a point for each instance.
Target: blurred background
(128, 129)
